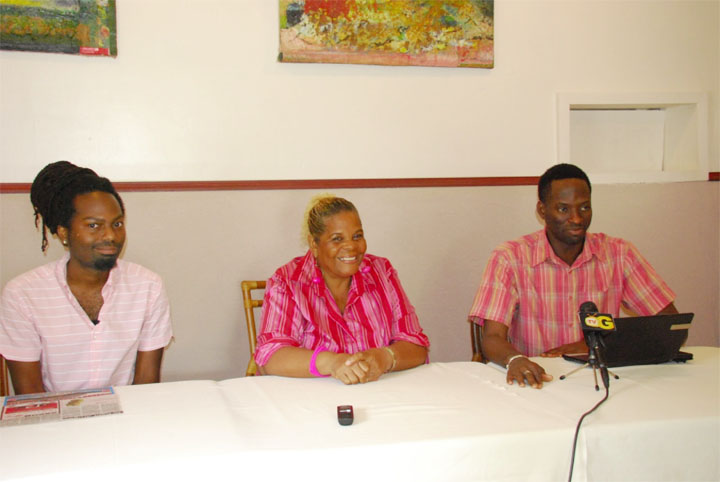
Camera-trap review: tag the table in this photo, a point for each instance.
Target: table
(442, 421)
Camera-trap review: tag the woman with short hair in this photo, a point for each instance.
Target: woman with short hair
(337, 311)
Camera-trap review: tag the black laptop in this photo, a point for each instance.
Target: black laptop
(645, 340)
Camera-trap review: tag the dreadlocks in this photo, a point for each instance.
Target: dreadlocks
(53, 192)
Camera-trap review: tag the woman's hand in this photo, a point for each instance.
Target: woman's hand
(362, 367)
(292, 361)
(375, 362)
(344, 367)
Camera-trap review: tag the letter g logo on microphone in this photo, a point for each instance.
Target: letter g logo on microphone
(601, 322)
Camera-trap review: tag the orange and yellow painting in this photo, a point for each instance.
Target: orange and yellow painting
(450, 33)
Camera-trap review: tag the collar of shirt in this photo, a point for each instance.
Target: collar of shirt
(309, 274)
(543, 251)
(61, 273)
(61, 276)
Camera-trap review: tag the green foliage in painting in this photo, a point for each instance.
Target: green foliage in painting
(64, 26)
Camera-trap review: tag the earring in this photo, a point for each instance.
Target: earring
(317, 279)
(64, 242)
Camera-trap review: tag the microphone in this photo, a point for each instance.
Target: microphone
(594, 325)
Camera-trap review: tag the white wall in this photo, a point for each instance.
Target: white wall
(439, 239)
(196, 93)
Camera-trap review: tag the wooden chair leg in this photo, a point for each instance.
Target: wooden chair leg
(476, 339)
(4, 378)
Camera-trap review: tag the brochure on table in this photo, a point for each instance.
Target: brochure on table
(49, 407)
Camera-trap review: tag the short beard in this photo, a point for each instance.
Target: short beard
(105, 264)
(573, 241)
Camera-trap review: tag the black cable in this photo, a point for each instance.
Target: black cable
(577, 430)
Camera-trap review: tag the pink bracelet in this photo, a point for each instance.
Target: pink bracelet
(313, 367)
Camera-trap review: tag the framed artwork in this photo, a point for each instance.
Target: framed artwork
(85, 27)
(450, 33)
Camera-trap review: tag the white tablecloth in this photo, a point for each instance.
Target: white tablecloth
(443, 421)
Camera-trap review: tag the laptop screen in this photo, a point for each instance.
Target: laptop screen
(644, 340)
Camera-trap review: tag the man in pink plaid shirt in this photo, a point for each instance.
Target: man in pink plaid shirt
(532, 287)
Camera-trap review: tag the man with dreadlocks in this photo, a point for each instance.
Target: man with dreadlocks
(90, 319)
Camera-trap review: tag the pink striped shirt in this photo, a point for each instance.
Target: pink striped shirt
(537, 295)
(40, 319)
(300, 312)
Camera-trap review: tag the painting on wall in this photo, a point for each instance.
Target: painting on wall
(450, 33)
(85, 27)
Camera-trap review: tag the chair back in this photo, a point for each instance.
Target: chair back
(250, 305)
(476, 340)
(4, 382)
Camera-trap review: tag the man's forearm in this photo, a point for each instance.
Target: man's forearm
(147, 366)
(26, 377)
(498, 350)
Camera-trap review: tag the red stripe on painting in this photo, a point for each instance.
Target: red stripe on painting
(94, 51)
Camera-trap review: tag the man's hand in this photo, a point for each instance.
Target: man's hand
(569, 349)
(498, 349)
(523, 370)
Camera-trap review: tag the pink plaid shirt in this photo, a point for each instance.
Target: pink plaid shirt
(537, 295)
(40, 319)
(298, 311)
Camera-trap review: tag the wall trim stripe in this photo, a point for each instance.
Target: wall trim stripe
(152, 186)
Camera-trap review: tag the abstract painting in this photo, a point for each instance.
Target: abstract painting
(450, 33)
(85, 27)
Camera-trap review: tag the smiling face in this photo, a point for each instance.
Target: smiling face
(567, 214)
(339, 250)
(96, 233)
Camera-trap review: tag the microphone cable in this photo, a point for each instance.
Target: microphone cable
(577, 430)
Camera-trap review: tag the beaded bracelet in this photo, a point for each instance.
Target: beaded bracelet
(313, 360)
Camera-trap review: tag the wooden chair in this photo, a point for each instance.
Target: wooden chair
(250, 305)
(476, 339)
(4, 382)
